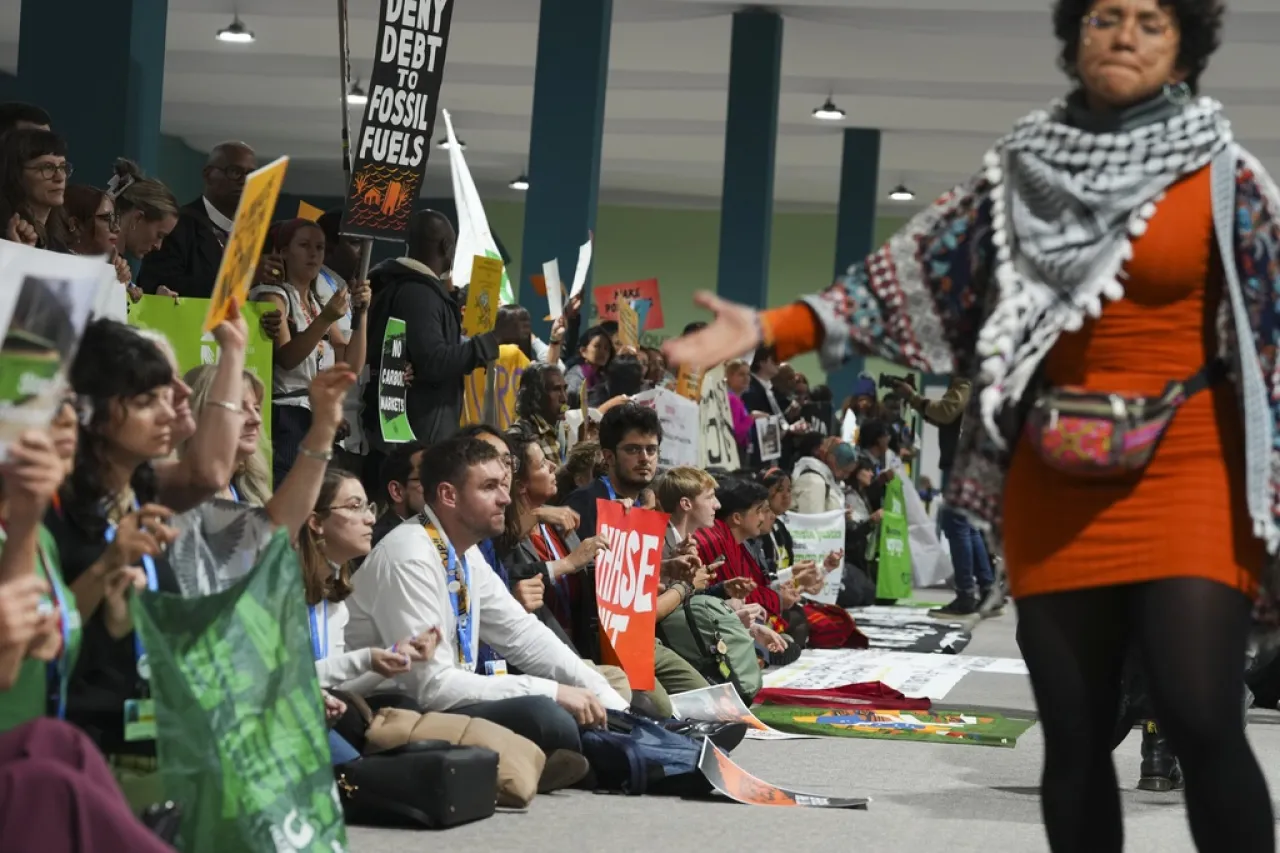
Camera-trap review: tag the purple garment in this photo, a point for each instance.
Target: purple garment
(743, 423)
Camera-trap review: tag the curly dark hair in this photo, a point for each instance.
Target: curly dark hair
(1199, 23)
(531, 398)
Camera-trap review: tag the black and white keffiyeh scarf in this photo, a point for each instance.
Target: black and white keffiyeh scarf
(1066, 205)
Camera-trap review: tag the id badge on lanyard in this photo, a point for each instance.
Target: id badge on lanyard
(153, 583)
(319, 648)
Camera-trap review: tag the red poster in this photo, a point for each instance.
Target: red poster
(627, 585)
(607, 297)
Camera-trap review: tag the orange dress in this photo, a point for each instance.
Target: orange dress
(1185, 515)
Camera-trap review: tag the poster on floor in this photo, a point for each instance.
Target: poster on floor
(739, 785)
(395, 136)
(45, 304)
(910, 629)
(974, 728)
(393, 402)
(721, 703)
(627, 586)
(816, 536)
(925, 676)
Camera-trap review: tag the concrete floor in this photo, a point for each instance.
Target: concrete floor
(942, 796)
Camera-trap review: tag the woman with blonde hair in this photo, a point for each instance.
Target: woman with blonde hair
(251, 479)
(145, 208)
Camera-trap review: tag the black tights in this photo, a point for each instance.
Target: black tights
(1191, 634)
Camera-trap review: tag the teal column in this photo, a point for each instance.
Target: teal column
(855, 223)
(97, 66)
(566, 130)
(750, 144)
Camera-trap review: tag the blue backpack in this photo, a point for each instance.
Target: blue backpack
(635, 756)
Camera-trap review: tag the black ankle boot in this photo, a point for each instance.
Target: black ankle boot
(1160, 770)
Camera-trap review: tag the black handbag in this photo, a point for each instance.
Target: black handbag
(425, 785)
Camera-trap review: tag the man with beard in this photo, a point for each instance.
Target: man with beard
(432, 575)
(401, 487)
(540, 406)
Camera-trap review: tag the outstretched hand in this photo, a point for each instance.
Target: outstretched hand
(734, 331)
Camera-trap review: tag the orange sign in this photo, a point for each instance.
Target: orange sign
(309, 212)
(244, 243)
(627, 585)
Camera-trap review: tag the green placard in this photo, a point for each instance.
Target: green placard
(393, 403)
(180, 322)
(893, 579)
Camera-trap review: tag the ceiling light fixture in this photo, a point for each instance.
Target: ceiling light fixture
(521, 183)
(237, 33)
(357, 96)
(901, 193)
(828, 111)
(443, 144)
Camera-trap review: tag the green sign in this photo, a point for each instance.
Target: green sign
(181, 321)
(393, 402)
(893, 580)
(240, 731)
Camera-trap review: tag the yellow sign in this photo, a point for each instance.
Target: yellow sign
(309, 211)
(493, 391)
(689, 384)
(483, 296)
(244, 243)
(628, 325)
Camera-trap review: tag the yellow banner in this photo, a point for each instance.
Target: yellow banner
(244, 243)
(483, 296)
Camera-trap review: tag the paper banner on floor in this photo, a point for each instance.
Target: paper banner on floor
(739, 785)
(721, 703)
(627, 586)
(924, 676)
(907, 629)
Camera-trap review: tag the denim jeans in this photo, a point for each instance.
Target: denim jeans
(968, 552)
(340, 752)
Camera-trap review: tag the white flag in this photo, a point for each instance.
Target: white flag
(474, 236)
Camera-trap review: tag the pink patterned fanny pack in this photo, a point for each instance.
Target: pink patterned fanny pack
(1092, 434)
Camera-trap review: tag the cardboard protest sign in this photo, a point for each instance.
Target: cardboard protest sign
(181, 324)
(489, 396)
(609, 296)
(45, 303)
(627, 585)
(815, 537)
(689, 383)
(244, 243)
(737, 784)
(628, 325)
(679, 419)
(309, 212)
(395, 138)
(718, 443)
(393, 402)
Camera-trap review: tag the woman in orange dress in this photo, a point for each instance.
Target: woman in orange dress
(1115, 243)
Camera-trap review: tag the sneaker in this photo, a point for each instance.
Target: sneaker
(964, 605)
(563, 769)
(991, 602)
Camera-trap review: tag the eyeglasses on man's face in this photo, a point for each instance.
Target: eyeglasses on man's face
(234, 173)
(49, 170)
(639, 449)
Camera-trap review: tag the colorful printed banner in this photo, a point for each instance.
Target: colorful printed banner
(395, 137)
(244, 243)
(393, 402)
(180, 322)
(627, 585)
(609, 296)
(937, 726)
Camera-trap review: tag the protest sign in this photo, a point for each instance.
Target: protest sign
(739, 785)
(719, 446)
(679, 419)
(553, 289)
(244, 243)
(585, 252)
(815, 537)
(44, 306)
(181, 324)
(689, 383)
(480, 315)
(240, 737)
(893, 581)
(393, 402)
(309, 212)
(475, 240)
(395, 138)
(627, 585)
(628, 325)
(489, 395)
(769, 437)
(609, 296)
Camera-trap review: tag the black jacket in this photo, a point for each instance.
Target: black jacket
(587, 635)
(522, 562)
(188, 260)
(440, 357)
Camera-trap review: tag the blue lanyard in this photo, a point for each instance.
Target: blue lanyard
(235, 496)
(613, 496)
(562, 582)
(60, 669)
(319, 650)
(456, 577)
(153, 583)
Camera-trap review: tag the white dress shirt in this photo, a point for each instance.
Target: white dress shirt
(350, 670)
(401, 591)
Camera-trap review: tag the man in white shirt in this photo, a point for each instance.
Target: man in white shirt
(433, 575)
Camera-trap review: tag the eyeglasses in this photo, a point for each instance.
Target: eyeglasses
(1149, 23)
(111, 219)
(640, 449)
(357, 507)
(48, 170)
(235, 173)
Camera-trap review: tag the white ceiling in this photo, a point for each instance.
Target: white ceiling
(942, 78)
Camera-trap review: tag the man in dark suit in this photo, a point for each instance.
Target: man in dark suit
(187, 263)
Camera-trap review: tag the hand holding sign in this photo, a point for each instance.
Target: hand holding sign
(627, 585)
